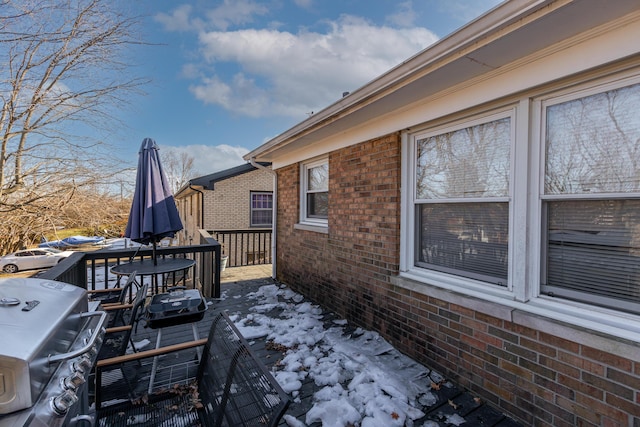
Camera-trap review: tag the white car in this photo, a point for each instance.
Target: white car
(28, 259)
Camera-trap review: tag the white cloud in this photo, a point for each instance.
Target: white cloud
(241, 95)
(288, 74)
(178, 20)
(230, 12)
(405, 16)
(190, 71)
(235, 12)
(209, 159)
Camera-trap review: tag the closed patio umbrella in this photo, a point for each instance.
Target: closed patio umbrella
(153, 215)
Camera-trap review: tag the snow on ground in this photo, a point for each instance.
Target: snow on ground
(125, 243)
(120, 243)
(364, 380)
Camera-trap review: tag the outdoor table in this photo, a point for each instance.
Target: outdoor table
(147, 267)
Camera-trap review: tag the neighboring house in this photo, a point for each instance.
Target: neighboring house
(479, 206)
(232, 201)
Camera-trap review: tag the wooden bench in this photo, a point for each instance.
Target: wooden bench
(232, 387)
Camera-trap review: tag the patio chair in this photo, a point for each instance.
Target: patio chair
(125, 320)
(230, 387)
(117, 295)
(116, 301)
(118, 338)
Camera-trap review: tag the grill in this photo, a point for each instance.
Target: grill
(176, 307)
(49, 343)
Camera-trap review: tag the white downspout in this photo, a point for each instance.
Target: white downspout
(274, 213)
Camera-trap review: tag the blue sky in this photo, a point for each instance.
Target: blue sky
(229, 75)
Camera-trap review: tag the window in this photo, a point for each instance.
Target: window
(535, 206)
(591, 198)
(461, 200)
(314, 207)
(261, 209)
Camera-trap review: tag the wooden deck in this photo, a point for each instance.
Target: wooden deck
(236, 285)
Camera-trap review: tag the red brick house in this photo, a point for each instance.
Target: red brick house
(479, 206)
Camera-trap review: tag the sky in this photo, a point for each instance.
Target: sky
(227, 76)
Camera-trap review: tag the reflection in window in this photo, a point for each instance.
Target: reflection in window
(470, 162)
(467, 238)
(316, 191)
(593, 144)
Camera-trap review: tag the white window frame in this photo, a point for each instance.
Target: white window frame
(305, 220)
(252, 209)
(538, 146)
(523, 298)
(408, 226)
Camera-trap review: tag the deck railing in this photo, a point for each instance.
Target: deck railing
(91, 270)
(245, 247)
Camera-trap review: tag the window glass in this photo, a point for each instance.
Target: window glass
(318, 205)
(318, 178)
(593, 144)
(592, 233)
(470, 162)
(464, 237)
(467, 239)
(261, 209)
(594, 250)
(315, 195)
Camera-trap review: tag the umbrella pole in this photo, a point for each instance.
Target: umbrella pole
(155, 261)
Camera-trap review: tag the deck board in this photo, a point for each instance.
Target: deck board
(450, 400)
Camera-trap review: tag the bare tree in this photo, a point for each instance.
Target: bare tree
(63, 73)
(178, 167)
(593, 144)
(97, 212)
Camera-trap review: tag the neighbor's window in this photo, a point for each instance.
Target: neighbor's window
(315, 192)
(591, 199)
(261, 209)
(462, 200)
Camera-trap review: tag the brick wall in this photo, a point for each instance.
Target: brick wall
(364, 224)
(537, 377)
(227, 207)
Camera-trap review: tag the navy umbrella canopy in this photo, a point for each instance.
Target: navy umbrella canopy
(153, 215)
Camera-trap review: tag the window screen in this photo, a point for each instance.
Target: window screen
(592, 204)
(462, 209)
(317, 191)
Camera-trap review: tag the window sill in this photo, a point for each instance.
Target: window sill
(324, 229)
(616, 333)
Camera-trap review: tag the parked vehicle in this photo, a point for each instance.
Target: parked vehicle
(29, 259)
